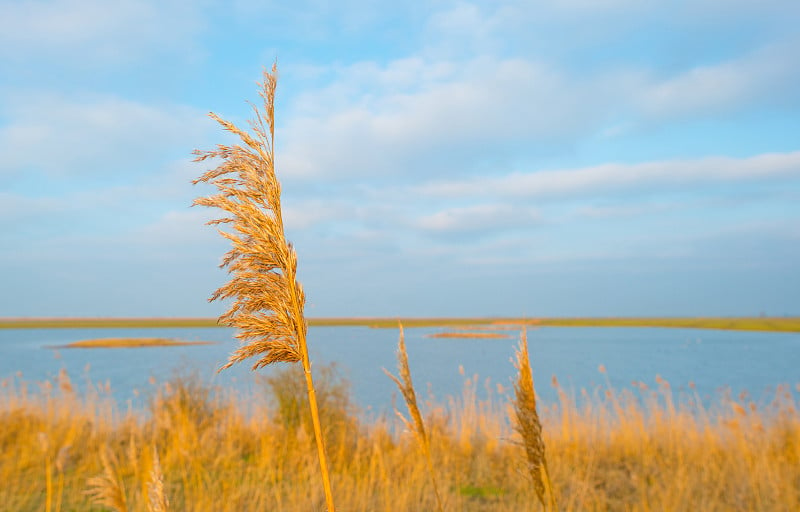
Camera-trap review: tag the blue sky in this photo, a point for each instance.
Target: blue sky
(569, 157)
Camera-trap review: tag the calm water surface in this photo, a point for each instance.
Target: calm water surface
(712, 359)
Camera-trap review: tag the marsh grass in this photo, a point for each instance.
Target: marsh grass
(108, 489)
(529, 426)
(130, 343)
(468, 334)
(641, 448)
(416, 424)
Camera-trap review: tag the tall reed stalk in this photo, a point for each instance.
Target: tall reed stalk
(416, 424)
(528, 425)
(268, 301)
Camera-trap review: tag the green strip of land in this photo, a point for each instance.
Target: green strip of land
(781, 324)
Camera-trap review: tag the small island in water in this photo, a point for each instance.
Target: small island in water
(131, 343)
(463, 334)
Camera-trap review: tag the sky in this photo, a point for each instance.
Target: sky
(440, 158)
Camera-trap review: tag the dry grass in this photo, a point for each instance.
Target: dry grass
(416, 424)
(461, 334)
(108, 488)
(131, 343)
(638, 449)
(267, 299)
(529, 426)
(157, 500)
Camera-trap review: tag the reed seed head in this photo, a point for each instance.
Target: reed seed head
(416, 424)
(527, 422)
(406, 387)
(268, 302)
(156, 497)
(107, 488)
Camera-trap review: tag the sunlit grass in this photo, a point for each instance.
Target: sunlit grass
(131, 343)
(643, 448)
(468, 334)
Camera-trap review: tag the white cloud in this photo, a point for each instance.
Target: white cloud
(467, 95)
(301, 215)
(98, 135)
(478, 218)
(94, 31)
(418, 116)
(441, 111)
(177, 228)
(16, 210)
(621, 177)
(765, 76)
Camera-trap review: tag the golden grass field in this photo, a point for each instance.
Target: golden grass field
(607, 449)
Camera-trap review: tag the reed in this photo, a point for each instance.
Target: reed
(108, 488)
(157, 500)
(268, 301)
(416, 424)
(529, 426)
(620, 449)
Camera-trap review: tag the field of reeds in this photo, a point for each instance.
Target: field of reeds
(607, 449)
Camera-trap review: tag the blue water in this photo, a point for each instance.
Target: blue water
(713, 360)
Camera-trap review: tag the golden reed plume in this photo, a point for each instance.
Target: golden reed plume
(416, 425)
(107, 488)
(268, 301)
(529, 426)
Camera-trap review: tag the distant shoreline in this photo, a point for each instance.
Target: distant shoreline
(776, 324)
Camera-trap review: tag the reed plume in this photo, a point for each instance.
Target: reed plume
(268, 301)
(528, 425)
(415, 424)
(107, 488)
(157, 500)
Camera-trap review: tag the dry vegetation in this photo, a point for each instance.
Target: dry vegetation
(416, 424)
(606, 450)
(130, 343)
(529, 426)
(467, 334)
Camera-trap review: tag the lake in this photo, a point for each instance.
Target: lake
(713, 360)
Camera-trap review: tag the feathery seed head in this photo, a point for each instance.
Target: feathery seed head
(527, 421)
(266, 299)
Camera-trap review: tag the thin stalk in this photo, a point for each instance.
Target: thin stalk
(323, 462)
(301, 328)
(48, 484)
(60, 492)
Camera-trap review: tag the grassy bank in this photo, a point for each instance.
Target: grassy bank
(779, 324)
(607, 450)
